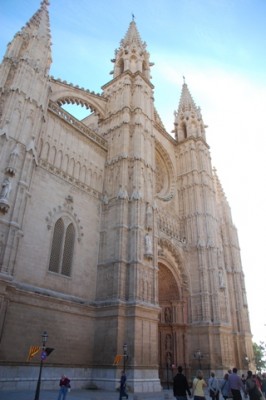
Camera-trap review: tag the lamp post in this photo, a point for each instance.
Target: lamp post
(125, 356)
(198, 355)
(43, 356)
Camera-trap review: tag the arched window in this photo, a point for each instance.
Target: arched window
(62, 247)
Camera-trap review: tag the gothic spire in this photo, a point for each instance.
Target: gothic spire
(33, 42)
(188, 119)
(132, 54)
(186, 103)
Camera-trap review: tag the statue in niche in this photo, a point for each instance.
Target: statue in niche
(167, 315)
(149, 216)
(148, 244)
(168, 341)
(6, 188)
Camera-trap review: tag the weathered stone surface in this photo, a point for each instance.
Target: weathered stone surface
(113, 231)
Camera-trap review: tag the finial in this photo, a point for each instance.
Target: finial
(184, 80)
(133, 17)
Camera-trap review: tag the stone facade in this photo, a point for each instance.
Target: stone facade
(112, 231)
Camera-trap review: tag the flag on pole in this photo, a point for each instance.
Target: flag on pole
(49, 350)
(117, 359)
(33, 351)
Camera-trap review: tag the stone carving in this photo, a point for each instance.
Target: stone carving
(136, 194)
(167, 315)
(4, 195)
(11, 168)
(6, 188)
(148, 246)
(105, 199)
(149, 214)
(168, 342)
(122, 193)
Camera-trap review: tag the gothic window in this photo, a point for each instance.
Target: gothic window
(62, 247)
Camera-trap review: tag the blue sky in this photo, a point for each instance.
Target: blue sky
(219, 46)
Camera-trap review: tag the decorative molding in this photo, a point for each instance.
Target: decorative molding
(66, 209)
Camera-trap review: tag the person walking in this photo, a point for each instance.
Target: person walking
(64, 387)
(225, 390)
(236, 385)
(263, 384)
(198, 386)
(214, 388)
(252, 387)
(180, 385)
(123, 380)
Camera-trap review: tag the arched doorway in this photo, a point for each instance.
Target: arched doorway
(172, 324)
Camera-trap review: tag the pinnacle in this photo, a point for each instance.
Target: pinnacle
(132, 37)
(186, 101)
(39, 22)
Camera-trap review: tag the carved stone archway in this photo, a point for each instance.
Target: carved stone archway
(173, 321)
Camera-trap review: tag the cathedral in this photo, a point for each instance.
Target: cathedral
(116, 237)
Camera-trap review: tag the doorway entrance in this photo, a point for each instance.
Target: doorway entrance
(172, 326)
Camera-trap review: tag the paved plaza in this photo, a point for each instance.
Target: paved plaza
(76, 394)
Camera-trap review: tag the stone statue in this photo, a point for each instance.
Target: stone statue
(149, 216)
(6, 187)
(148, 244)
(167, 315)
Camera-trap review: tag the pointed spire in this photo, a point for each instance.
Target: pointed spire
(132, 54)
(188, 119)
(33, 42)
(186, 103)
(132, 38)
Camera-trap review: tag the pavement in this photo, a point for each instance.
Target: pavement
(77, 394)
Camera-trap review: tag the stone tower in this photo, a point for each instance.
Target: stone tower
(112, 231)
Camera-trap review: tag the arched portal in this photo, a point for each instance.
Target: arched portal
(172, 324)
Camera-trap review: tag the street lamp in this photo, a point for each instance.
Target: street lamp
(198, 355)
(125, 356)
(43, 356)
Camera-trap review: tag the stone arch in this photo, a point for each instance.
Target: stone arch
(173, 297)
(170, 249)
(65, 210)
(64, 93)
(165, 175)
(83, 174)
(52, 155)
(45, 151)
(58, 159)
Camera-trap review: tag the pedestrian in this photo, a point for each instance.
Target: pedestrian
(180, 385)
(252, 388)
(225, 390)
(214, 388)
(198, 386)
(263, 384)
(236, 385)
(243, 379)
(64, 387)
(123, 380)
